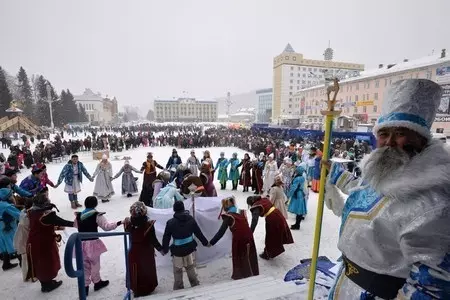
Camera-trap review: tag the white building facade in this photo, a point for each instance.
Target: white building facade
(99, 110)
(185, 110)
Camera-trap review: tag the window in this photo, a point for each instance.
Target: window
(290, 99)
(417, 75)
(347, 109)
(298, 88)
(357, 86)
(286, 57)
(355, 110)
(299, 68)
(292, 81)
(377, 83)
(298, 81)
(375, 96)
(309, 81)
(385, 82)
(304, 69)
(368, 85)
(290, 105)
(347, 88)
(309, 69)
(364, 109)
(290, 93)
(290, 87)
(303, 81)
(304, 75)
(298, 74)
(375, 108)
(350, 98)
(364, 97)
(315, 69)
(367, 97)
(292, 74)
(292, 68)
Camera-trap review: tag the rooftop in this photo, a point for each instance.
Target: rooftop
(88, 95)
(174, 99)
(289, 49)
(403, 66)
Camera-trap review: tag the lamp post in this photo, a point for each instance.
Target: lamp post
(49, 100)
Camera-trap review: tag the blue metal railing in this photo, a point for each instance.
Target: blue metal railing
(75, 241)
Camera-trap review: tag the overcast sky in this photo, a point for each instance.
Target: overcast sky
(139, 50)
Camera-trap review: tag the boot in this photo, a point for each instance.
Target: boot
(73, 205)
(298, 220)
(264, 256)
(101, 284)
(129, 195)
(7, 265)
(47, 287)
(105, 200)
(87, 290)
(77, 204)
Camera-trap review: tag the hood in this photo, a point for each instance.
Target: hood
(428, 170)
(182, 216)
(172, 184)
(5, 194)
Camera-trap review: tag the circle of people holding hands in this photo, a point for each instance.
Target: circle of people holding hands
(30, 223)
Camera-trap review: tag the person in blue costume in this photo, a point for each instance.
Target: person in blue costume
(222, 165)
(12, 175)
(167, 196)
(234, 171)
(395, 231)
(9, 216)
(297, 196)
(32, 183)
(173, 163)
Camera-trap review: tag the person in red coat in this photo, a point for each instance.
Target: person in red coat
(277, 230)
(245, 259)
(141, 257)
(246, 175)
(42, 248)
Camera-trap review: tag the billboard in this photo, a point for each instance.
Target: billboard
(443, 74)
(443, 113)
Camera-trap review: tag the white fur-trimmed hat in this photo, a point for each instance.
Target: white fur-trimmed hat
(410, 103)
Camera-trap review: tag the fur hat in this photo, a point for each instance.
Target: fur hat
(278, 180)
(412, 104)
(178, 206)
(138, 209)
(228, 202)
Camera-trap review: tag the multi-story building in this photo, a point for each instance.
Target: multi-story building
(98, 109)
(293, 72)
(264, 105)
(360, 98)
(185, 110)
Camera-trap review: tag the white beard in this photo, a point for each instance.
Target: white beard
(381, 164)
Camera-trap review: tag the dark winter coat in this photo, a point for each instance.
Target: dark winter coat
(182, 226)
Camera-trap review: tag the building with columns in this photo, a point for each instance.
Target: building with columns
(185, 110)
(360, 98)
(293, 72)
(99, 110)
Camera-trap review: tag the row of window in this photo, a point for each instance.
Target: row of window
(88, 106)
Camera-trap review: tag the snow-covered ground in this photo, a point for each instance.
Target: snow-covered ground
(113, 265)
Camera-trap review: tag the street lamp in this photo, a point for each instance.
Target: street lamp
(49, 100)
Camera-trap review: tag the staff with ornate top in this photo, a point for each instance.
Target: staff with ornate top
(329, 114)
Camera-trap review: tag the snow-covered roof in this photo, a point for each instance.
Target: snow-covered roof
(88, 95)
(397, 68)
(222, 116)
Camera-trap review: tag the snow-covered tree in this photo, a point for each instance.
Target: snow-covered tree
(25, 93)
(5, 94)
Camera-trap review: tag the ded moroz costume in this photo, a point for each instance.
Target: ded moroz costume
(395, 229)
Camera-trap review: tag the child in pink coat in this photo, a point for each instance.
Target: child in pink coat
(44, 177)
(88, 221)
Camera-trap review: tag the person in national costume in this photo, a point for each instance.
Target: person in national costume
(277, 196)
(141, 257)
(286, 171)
(103, 175)
(173, 163)
(270, 171)
(193, 163)
(32, 183)
(257, 175)
(88, 221)
(167, 196)
(149, 168)
(222, 165)
(234, 171)
(72, 174)
(9, 216)
(297, 195)
(277, 230)
(315, 185)
(207, 178)
(162, 179)
(395, 229)
(182, 228)
(21, 238)
(245, 178)
(243, 249)
(42, 248)
(129, 186)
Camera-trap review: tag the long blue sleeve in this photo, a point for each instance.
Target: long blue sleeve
(21, 192)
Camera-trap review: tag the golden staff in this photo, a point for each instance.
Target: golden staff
(329, 114)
